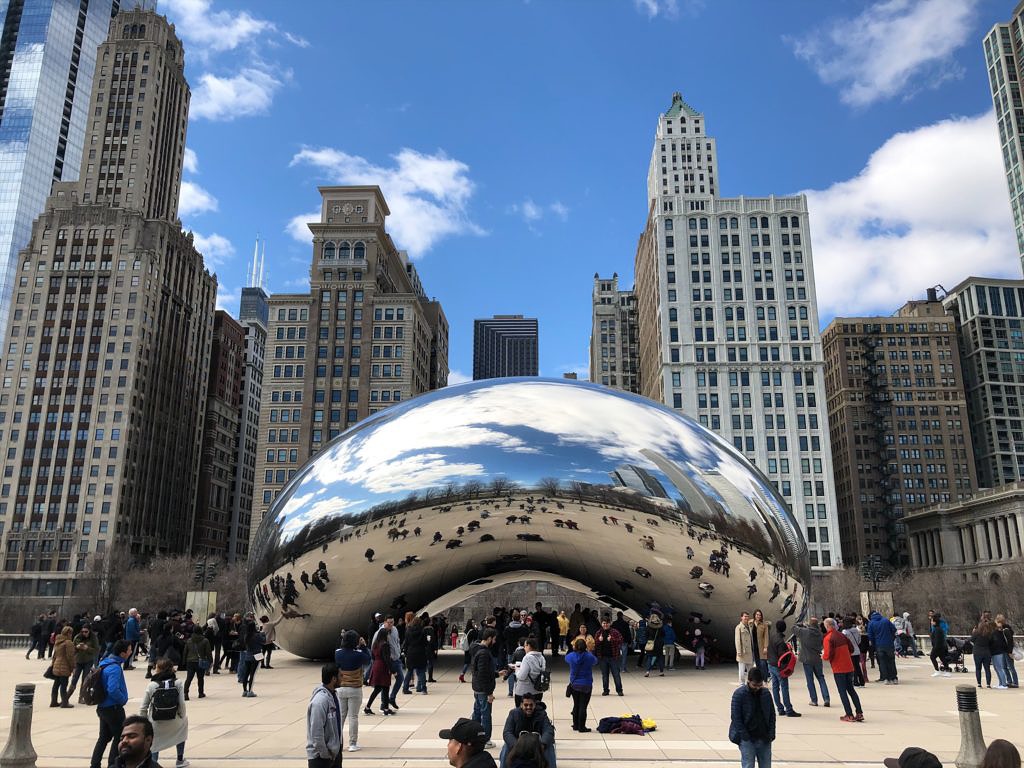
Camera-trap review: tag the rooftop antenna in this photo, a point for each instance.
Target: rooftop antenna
(263, 260)
(251, 275)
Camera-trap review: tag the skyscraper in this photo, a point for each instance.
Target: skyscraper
(728, 321)
(989, 314)
(102, 402)
(253, 314)
(217, 468)
(898, 417)
(614, 347)
(47, 60)
(1004, 56)
(365, 336)
(505, 345)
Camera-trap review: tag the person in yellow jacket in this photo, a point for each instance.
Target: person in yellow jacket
(563, 630)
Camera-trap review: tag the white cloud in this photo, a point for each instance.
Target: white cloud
(227, 298)
(427, 194)
(561, 210)
(207, 31)
(532, 212)
(215, 248)
(930, 207)
(298, 227)
(194, 200)
(889, 48)
(190, 164)
(657, 7)
(458, 377)
(250, 92)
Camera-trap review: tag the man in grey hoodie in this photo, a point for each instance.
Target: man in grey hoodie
(809, 643)
(323, 721)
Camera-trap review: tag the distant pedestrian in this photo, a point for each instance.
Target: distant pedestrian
(809, 647)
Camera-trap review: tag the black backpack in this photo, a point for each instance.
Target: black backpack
(94, 688)
(165, 701)
(541, 682)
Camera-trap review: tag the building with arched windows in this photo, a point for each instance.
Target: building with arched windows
(364, 337)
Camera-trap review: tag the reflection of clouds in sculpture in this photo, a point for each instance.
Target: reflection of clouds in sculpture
(623, 469)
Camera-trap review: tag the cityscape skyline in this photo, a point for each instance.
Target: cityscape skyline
(488, 220)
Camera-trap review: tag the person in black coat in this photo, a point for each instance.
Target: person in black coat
(417, 653)
(752, 721)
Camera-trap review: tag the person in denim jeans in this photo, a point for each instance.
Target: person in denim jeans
(752, 721)
(836, 651)
(1002, 653)
(809, 646)
(481, 665)
(780, 685)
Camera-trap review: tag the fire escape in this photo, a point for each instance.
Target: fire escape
(878, 404)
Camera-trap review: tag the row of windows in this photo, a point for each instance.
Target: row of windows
(345, 250)
(733, 222)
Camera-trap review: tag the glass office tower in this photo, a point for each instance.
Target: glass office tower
(47, 60)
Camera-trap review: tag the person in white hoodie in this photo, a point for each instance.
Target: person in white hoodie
(529, 672)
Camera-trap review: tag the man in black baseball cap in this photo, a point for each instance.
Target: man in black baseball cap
(913, 757)
(466, 741)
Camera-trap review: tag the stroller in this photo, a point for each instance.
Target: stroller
(956, 650)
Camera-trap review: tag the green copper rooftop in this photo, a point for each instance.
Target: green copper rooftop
(680, 107)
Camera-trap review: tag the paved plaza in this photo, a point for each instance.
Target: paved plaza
(691, 709)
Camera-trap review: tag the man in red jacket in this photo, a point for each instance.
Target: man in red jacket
(836, 651)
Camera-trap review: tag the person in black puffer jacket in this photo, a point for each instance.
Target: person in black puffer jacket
(416, 654)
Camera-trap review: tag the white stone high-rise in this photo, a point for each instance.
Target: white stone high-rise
(728, 321)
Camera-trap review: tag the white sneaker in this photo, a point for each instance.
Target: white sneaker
(490, 745)
(353, 747)
(936, 674)
(182, 764)
(947, 674)
(1001, 687)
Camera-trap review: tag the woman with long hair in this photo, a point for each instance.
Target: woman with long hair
(62, 668)
(528, 752)
(759, 630)
(380, 674)
(1001, 754)
(167, 731)
(981, 640)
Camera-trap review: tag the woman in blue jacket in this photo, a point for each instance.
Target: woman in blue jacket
(581, 682)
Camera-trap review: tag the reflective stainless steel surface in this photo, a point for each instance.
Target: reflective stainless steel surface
(463, 488)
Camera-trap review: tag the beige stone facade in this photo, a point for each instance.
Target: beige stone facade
(897, 413)
(101, 400)
(363, 338)
(614, 346)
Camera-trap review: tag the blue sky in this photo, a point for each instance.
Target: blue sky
(512, 139)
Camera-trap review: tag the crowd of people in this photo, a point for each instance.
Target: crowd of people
(505, 650)
(769, 653)
(91, 656)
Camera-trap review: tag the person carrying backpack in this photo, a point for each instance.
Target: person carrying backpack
(781, 655)
(164, 704)
(532, 675)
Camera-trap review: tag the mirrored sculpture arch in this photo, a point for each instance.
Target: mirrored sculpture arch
(474, 484)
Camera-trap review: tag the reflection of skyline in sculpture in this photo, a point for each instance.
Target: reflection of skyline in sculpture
(638, 479)
(501, 476)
